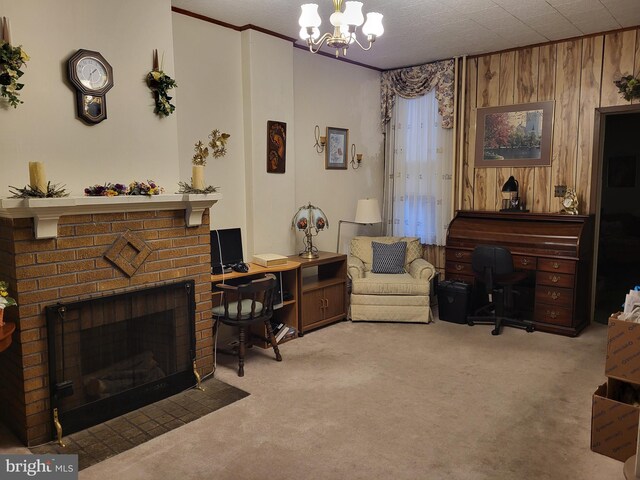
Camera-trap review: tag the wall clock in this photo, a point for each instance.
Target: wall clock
(92, 77)
(570, 202)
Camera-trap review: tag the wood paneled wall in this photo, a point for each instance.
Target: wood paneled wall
(578, 74)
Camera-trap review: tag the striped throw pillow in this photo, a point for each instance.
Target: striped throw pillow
(388, 257)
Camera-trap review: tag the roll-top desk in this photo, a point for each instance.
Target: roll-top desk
(556, 249)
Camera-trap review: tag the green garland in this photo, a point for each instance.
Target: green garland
(159, 83)
(11, 61)
(53, 191)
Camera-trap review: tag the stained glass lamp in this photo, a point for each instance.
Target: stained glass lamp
(310, 220)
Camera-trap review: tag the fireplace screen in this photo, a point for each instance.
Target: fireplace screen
(111, 355)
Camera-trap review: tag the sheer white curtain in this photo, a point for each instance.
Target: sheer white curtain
(419, 171)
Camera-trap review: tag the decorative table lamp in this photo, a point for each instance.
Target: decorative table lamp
(311, 220)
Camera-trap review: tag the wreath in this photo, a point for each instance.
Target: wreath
(629, 87)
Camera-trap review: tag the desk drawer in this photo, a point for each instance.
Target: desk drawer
(554, 279)
(458, 255)
(561, 297)
(459, 268)
(523, 262)
(553, 315)
(552, 265)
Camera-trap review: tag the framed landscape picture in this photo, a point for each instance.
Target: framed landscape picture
(514, 135)
(336, 149)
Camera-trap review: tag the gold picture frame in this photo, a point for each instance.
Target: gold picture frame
(514, 135)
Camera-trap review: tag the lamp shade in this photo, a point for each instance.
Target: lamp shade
(373, 25)
(511, 185)
(309, 16)
(368, 211)
(353, 13)
(309, 217)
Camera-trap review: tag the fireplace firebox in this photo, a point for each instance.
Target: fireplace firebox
(111, 355)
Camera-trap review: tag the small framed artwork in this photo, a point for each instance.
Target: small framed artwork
(514, 135)
(336, 150)
(276, 146)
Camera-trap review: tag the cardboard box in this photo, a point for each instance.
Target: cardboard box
(269, 259)
(614, 425)
(623, 350)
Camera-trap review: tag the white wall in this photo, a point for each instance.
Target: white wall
(268, 80)
(132, 143)
(245, 79)
(209, 95)
(336, 94)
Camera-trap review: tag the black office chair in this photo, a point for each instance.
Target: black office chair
(493, 268)
(246, 305)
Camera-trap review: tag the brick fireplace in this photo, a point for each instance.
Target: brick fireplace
(68, 250)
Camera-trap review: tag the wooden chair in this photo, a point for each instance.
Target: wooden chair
(246, 305)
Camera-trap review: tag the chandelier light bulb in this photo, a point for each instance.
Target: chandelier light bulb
(309, 16)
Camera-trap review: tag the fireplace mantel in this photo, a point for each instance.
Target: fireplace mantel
(47, 211)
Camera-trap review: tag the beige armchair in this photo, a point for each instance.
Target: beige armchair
(400, 297)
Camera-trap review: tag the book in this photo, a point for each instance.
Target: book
(269, 259)
(286, 333)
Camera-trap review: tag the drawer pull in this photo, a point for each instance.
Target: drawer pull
(554, 278)
(458, 254)
(525, 261)
(554, 295)
(555, 265)
(459, 267)
(552, 314)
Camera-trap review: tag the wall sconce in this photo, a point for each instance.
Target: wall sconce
(356, 158)
(321, 140)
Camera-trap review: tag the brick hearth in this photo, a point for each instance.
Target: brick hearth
(72, 267)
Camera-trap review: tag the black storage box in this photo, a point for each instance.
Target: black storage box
(454, 301)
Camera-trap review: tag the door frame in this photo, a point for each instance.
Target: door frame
(597, 165)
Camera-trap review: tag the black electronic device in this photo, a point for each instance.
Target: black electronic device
(240, 267)
(226, 250)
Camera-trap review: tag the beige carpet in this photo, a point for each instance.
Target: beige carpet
(394, 401)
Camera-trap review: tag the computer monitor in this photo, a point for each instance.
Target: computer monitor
(226, 249)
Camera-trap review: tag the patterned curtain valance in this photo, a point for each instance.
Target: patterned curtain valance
(414, 82)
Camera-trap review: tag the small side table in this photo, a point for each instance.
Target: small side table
(323, 289)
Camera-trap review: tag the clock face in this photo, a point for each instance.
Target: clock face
(567, 202)
(91, 73)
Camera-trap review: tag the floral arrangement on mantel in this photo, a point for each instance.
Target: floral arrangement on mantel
(5, 300)
(109, 189)
(29, 191)
(106, 190)
(12, 60)
(629, 87)
(160, 83)
(218, 145)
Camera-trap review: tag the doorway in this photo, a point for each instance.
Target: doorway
(618, 247)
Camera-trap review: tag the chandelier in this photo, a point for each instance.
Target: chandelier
(344, 24)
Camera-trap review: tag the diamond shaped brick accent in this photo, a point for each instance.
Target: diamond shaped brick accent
(115, 254)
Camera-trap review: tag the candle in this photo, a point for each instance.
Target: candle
(6, 30)
(197, 180)
(37, 176)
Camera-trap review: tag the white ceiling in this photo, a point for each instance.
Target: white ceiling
(421, 31)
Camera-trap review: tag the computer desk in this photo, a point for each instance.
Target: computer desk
(288, 313)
